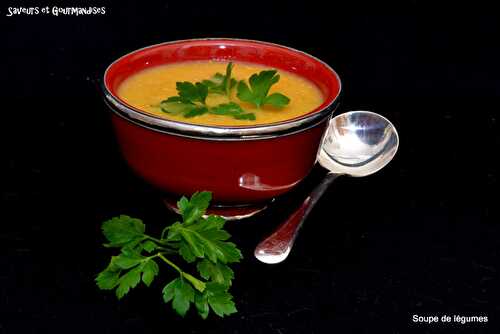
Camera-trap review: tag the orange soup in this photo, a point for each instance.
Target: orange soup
(146, 89)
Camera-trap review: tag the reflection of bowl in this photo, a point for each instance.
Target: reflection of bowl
(240, 165)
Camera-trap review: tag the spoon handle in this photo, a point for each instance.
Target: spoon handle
(276, 247)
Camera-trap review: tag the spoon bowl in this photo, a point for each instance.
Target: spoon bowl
(357, 143)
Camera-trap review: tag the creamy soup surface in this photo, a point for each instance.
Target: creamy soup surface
(145, 90)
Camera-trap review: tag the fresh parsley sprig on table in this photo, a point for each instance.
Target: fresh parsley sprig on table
(199, 241)
(190, 101)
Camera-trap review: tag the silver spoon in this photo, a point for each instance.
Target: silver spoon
(357, 143)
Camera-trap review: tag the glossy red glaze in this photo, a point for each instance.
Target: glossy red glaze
(237, 171)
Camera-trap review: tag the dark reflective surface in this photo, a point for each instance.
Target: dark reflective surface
(425, 243)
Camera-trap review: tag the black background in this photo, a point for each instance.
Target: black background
(420, 237)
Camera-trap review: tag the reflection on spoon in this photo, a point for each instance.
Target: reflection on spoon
(357, 143)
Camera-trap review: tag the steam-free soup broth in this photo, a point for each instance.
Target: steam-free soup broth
(146, 89)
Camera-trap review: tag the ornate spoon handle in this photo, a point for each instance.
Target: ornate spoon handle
(276, 247)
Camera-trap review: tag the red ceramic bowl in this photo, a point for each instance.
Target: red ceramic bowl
(241, 165)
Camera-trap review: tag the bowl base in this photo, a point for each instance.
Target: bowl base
(226, 212)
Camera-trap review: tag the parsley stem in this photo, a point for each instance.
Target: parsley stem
(170, 263)
(163, 232)
(197, 284)
(161, 242)
(167, 250)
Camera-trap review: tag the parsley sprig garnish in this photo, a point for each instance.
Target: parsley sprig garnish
(220, 83)
(258, 91)
(201, 242)
(190, 99)
(232, 109)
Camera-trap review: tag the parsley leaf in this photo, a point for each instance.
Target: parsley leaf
(181, 293)
(259, 88)
(214, 85)
(249, 116)
(197, 111)
(193, 209)
(201, 302)
(232, 109)
(127, 260)
(149, 246)
(149, 271)
(176, 105)
(209, 242)
(186, 253)
(220, 83)
(219, 299)
(139, 266)
(276, 100)
(217, 272)
(198, 239)
(192, 92)
(128, 281)
(122, 231)
(108, 278)
(184, 103)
